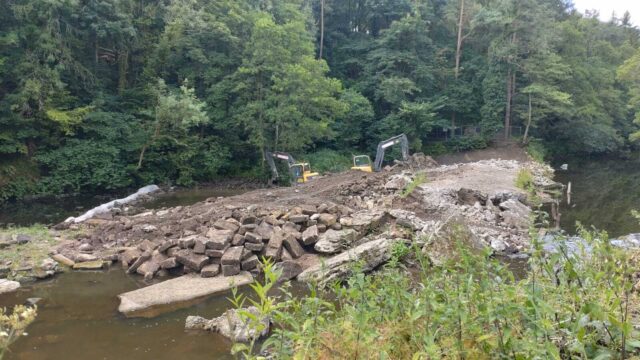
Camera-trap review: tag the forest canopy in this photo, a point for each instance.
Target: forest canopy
(100, 95)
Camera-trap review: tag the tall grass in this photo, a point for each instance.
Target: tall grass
(567, 307)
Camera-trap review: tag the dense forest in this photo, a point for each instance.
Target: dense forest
(100, 95)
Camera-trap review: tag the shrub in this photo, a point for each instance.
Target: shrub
(537, 151)
(329, 161)
(524, 180)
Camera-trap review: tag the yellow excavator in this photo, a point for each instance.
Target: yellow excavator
(300, 171)
(363, 162)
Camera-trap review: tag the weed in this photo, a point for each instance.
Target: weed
(13, 325)
(524, 180)
(418, 180)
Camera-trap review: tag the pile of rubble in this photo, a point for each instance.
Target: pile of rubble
(238, 240)
(319, 221)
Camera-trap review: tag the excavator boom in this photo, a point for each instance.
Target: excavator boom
(383, 145)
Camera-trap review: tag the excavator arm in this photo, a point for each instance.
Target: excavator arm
(384, 145)
(270, 156)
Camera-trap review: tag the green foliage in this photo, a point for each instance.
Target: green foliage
(329, 161)
(537, 151)
(13, 324)
(524, 180)
(418, 180)
(197, 89)
(472, 307)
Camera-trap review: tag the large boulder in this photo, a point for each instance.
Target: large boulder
(370, 255)
(333, 241)
(233, 324)
(8, 286)
(515, 214)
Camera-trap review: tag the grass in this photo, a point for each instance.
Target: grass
(524, 180)
(31, 253)
(537, 151)
(418, 180)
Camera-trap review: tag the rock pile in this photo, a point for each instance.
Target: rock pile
(238, 242)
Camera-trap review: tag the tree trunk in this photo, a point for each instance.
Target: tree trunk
(511, 86)
(456, 70)
(526, 130)
(321, 28)
(156, 132)
(507, 112)
(459, 41)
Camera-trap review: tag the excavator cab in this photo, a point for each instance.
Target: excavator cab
(362, 163)
(300, 172)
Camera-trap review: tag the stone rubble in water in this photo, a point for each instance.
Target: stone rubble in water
(232, 324)
(7, 286)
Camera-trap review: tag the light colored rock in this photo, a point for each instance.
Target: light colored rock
(333, 241)
(371, 254)
(397, 182)
(104, 208)
(310, 235)
(89, 265)
(232, 324)
(150, 301)
(515, 214)
(63, 260)
(7, 286)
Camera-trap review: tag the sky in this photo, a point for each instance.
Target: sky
(606, 7)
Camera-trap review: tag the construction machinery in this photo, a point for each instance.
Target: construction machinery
(363, 162)
(300, 172)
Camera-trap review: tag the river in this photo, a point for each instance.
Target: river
(604, 191)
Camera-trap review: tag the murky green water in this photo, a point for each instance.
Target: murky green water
(51, 211)
(604, 191)
(78, 319)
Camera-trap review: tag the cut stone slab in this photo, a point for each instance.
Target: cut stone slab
(232, 256)
(274, 246)
(334, 241)
(219, 239)
(210, 270)
(250, 263)
(8, 286)
(253, 238)
(293, 246)
(191, 260)
(230, 270)
(371, 254)
(288, 269)
(176, 293)
(63, 260)
(89, 265)
(226, 225)
(310, 236)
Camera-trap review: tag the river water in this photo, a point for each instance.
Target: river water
(604, 191)
(78, 316)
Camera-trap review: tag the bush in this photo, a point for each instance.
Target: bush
(567, 306)
(537, 151)
(329, 161)
(524, 180)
